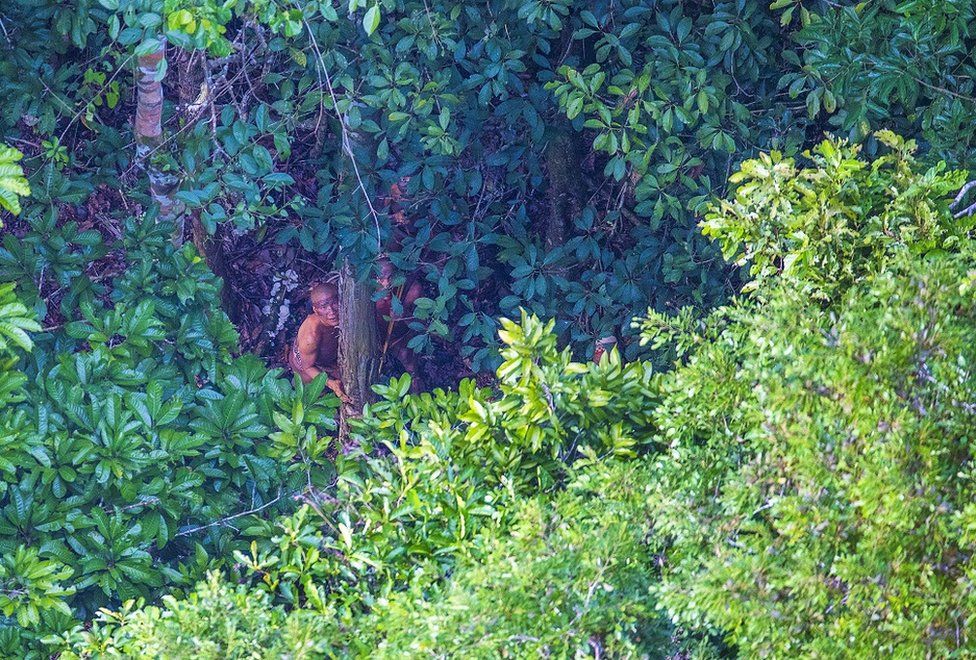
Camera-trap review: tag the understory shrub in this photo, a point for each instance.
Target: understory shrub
(215, 621)
(433, 470)
(569, 576)
(129, 433)
(440, 477)
(816, 491)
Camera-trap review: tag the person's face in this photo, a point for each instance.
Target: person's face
(386, 275)
(325, 305)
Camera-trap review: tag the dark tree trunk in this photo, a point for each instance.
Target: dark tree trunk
(211, 248)
(565, 190)
(358, 343)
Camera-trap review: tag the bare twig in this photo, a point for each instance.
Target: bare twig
(3, 28)
(943, 90)
(962, 193)
(224, 521)
(141, 503)
(84, 105)
(966, 212)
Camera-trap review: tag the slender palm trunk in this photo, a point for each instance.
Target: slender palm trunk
(149, 129)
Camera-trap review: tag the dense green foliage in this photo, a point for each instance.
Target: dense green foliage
(775, 461)
(905, 66)
(214, 622)
(569, 578)
(805, 491)
(121, 455)
(434, 472)
(456, 470)
(555, 153)
(825, 227)
(820, 503)
(589, 543)
(817, 495)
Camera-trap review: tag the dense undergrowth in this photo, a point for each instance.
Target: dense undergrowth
(589, 542)
(797, 484)
(554, 156)
(776, 460)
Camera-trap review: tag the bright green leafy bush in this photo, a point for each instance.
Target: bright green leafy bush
(133, 431)
(12, 181)
(816, 491)
(827, 225)
(444, 473)
(569, 576)
(434, 470)
(32, 586)
(215, 621)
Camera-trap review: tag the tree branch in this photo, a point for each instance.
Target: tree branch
(224, 521)
(346, 145)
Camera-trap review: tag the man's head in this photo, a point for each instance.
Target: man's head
(325, 303)
(385, 276)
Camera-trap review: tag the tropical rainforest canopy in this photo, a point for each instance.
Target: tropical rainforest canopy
(629, 328)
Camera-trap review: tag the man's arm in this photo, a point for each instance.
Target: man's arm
(326, 359)
(304, 351)
(414, 291)
(335, 385)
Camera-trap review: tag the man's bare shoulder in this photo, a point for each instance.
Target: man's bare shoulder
(309, 331)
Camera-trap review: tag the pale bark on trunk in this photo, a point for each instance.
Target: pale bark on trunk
(149, 129)
(358, 343)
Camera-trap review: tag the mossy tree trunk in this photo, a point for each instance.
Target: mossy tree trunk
(565, 185)
(358, 342)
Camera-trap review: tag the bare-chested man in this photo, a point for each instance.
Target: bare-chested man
(316, 348)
